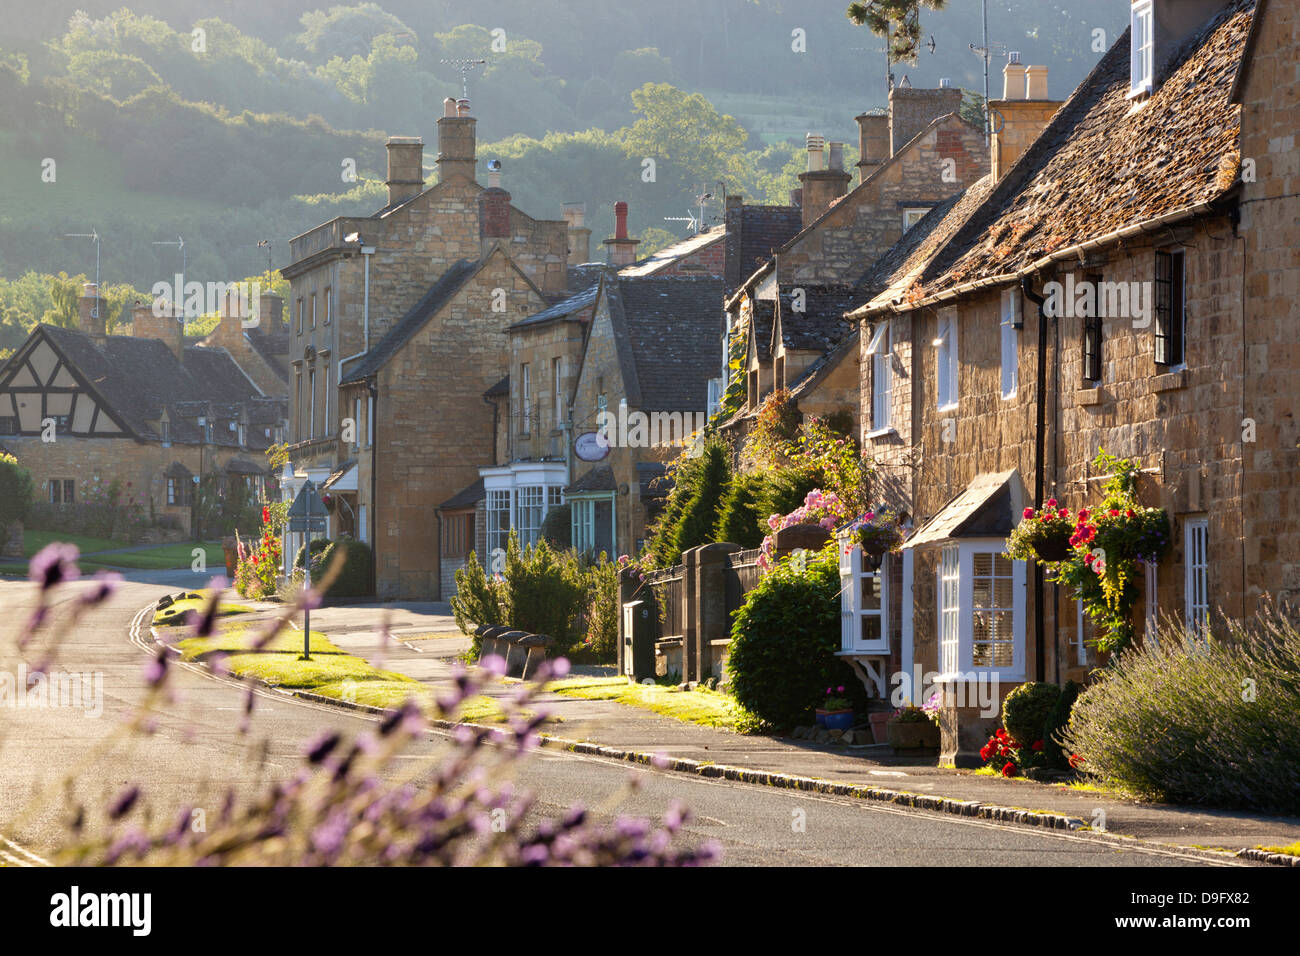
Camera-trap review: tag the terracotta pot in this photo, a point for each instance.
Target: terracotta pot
(913, 735)
(231, 551)
(879, 723)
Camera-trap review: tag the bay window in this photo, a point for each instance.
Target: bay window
(981, 611)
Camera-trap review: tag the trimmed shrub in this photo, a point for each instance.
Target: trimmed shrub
(354, 577)
(1026, 709)
(544, 592)
(1057, 720)
(602, 612)
(784, 639)
(478, 600)
(738, 517)
(786, 489)
(318, 545)
(557, 527)
(700, 512)
(15, 491)
(1209, 720)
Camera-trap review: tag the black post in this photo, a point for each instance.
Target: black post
(1040, 412)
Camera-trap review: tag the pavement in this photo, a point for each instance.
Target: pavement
(53, 758)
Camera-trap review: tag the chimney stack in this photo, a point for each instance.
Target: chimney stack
(911, 111)
(622, 250)
(92, 311)
(575, 216)
(456, 141)
(825, 179)
(154, 320)
(405, 167)
(494, 207)
(873, 142)
(1023, 113)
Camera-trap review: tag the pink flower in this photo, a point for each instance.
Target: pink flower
(1028, 513)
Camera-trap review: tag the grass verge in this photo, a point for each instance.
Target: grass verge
(1292, 849)
(699, 706)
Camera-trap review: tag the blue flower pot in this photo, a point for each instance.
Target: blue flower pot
(837, 720)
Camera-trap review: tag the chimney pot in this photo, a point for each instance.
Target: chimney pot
(945, 83)
(1036, 83)
(462, 107)
(814, 144)
(620, 220)
(449, 107)
(837, 156)
(622, 250)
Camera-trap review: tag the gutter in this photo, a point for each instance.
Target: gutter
(1071, 252)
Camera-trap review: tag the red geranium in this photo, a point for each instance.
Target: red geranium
(1009, 770)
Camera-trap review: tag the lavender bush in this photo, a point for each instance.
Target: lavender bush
(1212, 720)
(348, 804)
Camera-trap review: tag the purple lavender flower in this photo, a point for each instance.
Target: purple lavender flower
(123, 803)
(54, 564)
(156, 670)
(105, 583)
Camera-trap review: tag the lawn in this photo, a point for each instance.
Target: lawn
(33, 541)
(163, 558)
(699, 706)
(174, 614)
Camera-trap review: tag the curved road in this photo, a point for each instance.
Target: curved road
(197, 752)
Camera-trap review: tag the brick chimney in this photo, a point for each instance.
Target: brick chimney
(1021, 115)
(155, 320)
(912, 110)
(229, 331)
(621, 249)
(405, 167)
(873, 142)
(825, 180)
(455, 141)
(575, 216)
(92, 311)
(494, 207)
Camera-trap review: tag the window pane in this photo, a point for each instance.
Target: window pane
(871, 592)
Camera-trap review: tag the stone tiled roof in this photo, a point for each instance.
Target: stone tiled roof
(982, 509)
(1104, 164)
(815, 373)
(673, 330)
(500, 388)
(821, 325)
(432, 302)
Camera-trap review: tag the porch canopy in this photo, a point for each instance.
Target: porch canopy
(985, 509)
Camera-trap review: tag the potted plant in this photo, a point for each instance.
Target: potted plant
(1043, 534)
(837, 712)
(876, 533)
(913, 729)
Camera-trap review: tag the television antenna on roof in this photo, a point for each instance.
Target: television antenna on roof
(465, 65)
(93, 234)
(984, 51)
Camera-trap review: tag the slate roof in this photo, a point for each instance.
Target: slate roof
(1102, 165)
(982, 509)
(600, 478)
(500, 388)
(671, 253)
(821, 325)
(438, 295)
(471, 494)
(763, 318)
(564, 309)
(814, 374)
(761, 231)
(673, 331)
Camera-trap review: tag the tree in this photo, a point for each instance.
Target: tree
(738, 518)
(897, 20)
(15, 493)
(700, 514)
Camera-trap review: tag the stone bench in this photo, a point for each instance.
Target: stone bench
(523, 652)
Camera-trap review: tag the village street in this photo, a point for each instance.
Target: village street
(196, 752)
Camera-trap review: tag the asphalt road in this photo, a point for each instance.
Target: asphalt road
(197, 752)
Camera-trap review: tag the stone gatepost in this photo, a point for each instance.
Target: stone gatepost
(690, 615)
(712, 621)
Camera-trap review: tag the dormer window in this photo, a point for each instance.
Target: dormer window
(1142, 41)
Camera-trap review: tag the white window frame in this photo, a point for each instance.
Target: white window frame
(1081, 658)
(1010, 343)
(583, 522)
(913, 215)
(853, 575)
(946, 362)
(525, 419)
(1142, 47)
(498, 509)
(311, 387)
(530, 512)
(882, 375)
(1196, 576)
(1151, 612)
(964, 556)
(356, 423)
(370, 420)
(557, 374)
(362, 528)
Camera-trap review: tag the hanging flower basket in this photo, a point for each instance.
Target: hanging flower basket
(1054, 548)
